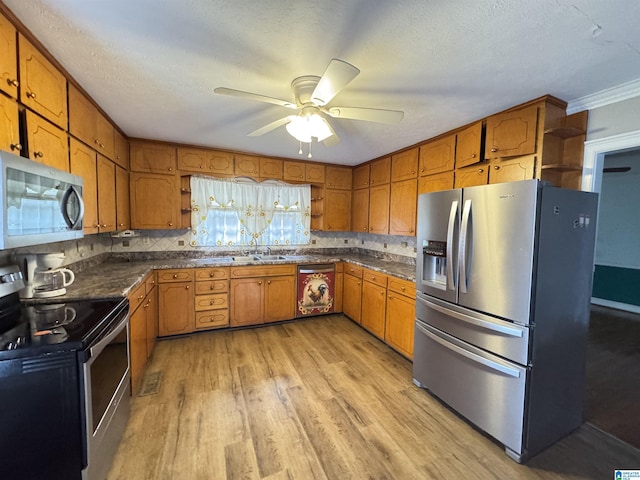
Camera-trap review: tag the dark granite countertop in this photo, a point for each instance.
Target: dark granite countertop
(117, 277)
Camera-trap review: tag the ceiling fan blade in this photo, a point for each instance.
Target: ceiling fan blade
(367, 114)
(254, 96)
(337, 76)
(334, 139)
(270, 126)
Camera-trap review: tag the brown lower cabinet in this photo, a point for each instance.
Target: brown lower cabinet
(352, 292)
(262, 294)
(374, 302)
(400, 315)
(143, 328)
(175, 291)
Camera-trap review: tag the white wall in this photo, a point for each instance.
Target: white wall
(614, 119)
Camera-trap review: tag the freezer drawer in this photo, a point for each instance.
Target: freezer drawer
(503, 338)
(487, 390)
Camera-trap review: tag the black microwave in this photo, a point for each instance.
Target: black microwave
(41, 204)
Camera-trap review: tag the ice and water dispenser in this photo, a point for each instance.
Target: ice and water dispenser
(434, 263)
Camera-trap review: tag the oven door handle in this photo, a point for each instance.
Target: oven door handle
(104, 341)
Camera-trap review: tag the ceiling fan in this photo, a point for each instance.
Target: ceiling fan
(312, 95)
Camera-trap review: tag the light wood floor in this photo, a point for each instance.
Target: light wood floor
(320, 398)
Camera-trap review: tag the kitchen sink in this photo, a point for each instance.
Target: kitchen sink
(245, 258)
(268, 258)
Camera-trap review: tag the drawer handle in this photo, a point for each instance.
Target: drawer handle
(260, 282)
(212, 274)
(212, 287)
(171, 224)
(211, 302)
(268, 282)
(140, 297)
(402, 288)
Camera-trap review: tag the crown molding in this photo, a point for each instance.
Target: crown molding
(605, 97)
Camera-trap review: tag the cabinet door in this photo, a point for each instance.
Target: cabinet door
(121, 150)
(374, 302)
(314, 173)
(473, 175)
(247, 301)
(400, 320)
(279, 298)
(42, 87)
(361, 176)
(438, 156)
(380, 171)
(468, 144)
(105, 140)
(153, 158)
(9, 126)
(339, 283)
(123, 218)
(155, 201)
(379, 209)
(83, 163)
(247, 166)
(402, 209)
(8, 58)
(137, 346)
(337, 210)
(512, 133)
(270, 168)
(151, 314)
(47, 143)
(435, 183)
(175, 308)
(352, 297)
(338, 178)
(404, 165)
(293, 171)
(106, 194)
(360, 210)
(522, 168)
(82, 117)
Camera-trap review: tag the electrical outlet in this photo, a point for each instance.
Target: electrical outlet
(146, 241)
(404, 244)
(313, 242)
(346, 241)
(361, 242)
(181, 243)
(125, 243)
(385, 245)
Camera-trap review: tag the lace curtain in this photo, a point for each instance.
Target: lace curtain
(230, 213)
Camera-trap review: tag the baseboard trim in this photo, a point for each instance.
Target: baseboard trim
(617, 305)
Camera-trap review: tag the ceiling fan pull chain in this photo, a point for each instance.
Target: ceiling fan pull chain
(300, 151)
(309, 156)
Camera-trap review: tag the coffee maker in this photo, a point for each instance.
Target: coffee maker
(42, 276)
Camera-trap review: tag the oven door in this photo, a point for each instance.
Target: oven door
(106, 397)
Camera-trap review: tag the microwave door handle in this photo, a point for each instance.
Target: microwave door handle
(72, 223)
(453, 216)
(464, 234)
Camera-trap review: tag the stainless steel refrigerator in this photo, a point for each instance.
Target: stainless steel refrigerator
(503, 287)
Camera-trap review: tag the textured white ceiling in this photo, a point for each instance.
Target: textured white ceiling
(152, 65)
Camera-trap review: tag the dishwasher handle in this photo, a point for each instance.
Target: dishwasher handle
(314, 269)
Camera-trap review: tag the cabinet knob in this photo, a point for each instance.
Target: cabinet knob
(494, 149)
(171, 169)
(31, 94)
(13, 82)
(413, 172)
(473, 155)
(188, 287)
(497, 167)
(16, 146)
(260, 282)
(38, 154)
(121, 224)
(211, 302)
(480, 170)
(171, 224)
(175, 275)
(140, 297)
(402, 288)
(211, 274)
(381, 292)
(390, 297)
(268, 282)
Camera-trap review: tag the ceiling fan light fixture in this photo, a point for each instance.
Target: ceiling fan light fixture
(303, 128)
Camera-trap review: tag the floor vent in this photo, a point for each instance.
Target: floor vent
(151, 384)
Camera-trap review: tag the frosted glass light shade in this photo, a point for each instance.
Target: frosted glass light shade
(302, 128)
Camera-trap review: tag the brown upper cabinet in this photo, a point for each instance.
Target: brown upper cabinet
(293, 171)
(361, 176)
(8, 58)
(47, 143)
(211, 162)
(338, 178)
(153, 157)
(271, 168)
(247, 166)
(121, 150)
(83, 162)
(438, 156)
(42, 87)
(314, 173)
(10, 131)
(380, 172)
(468, 145)
(88, 125)
(404, 165)
(512, 133)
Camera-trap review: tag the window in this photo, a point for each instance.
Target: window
(232, 213)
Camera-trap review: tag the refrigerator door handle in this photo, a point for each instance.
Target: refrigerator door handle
(512, 332)
(512, 372)
(453, 216)
(464, 231)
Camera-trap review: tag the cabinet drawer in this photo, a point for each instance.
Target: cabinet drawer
(211, 302)
(262, 271)
(212, 286)
(351, 269)
(404, 287)
(211, 273)
(374, 277)
(150, 282)
(212, 319)
(136, 297)
(179, 275)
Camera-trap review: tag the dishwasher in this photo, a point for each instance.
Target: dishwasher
(316, 287)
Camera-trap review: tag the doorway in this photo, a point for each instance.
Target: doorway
(612, 168)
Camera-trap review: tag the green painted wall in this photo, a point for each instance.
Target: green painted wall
(617, 284)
